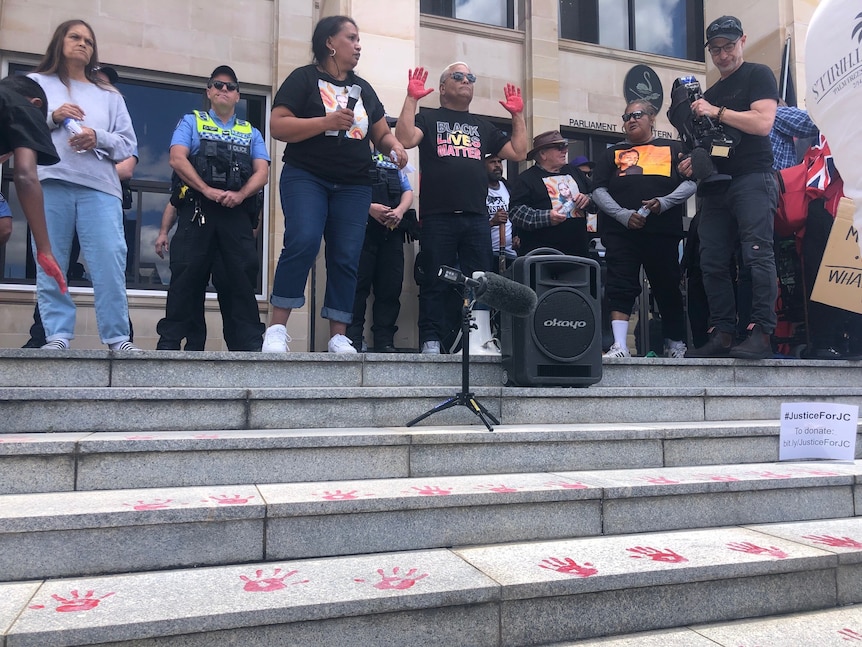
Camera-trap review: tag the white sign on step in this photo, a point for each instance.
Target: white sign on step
(818, 430)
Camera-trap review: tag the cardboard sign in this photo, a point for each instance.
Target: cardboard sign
(818, 430)
(839, 280)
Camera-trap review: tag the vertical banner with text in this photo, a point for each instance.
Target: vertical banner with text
(818, 430)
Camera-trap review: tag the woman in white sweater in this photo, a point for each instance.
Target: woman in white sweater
(82, 192)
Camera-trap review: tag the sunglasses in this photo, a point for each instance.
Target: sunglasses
(727, 49)
(637, 114)
(460, 76)
(560, 147)
(724, 25)
(221, 85)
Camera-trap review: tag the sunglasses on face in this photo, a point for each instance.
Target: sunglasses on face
(727, 49)
(637, 114)
(221, 85)
(560, 147)
(460, 76)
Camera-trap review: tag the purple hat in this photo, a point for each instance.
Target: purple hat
(580, 160)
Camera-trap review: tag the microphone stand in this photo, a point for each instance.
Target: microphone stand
(464, 397)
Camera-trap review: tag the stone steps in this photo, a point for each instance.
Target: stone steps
(62, 462)
(53, 534)
(529, 593)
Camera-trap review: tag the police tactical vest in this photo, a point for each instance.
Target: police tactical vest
(385, 182)
(224, 158)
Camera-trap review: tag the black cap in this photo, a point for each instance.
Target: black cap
(224, 70)
(727, 27)
(108, 71)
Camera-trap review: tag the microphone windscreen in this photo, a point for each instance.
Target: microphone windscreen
(507, 296)
(701, 164)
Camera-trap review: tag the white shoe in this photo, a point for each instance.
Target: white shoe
(617, 351)
(674, 349)
(431, 348)
(340, 344)
(481, 341)
(275, 339)
(57, 344)
(125, 345)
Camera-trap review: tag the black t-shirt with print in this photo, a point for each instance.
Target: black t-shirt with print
(23, 126)
(751, 82)
(451, 154)
(533, 188)
(308, 92)
(656, 177)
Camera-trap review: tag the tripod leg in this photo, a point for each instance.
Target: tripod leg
(451, 402)
(480, 407)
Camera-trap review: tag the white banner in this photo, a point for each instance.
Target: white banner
(818, 430)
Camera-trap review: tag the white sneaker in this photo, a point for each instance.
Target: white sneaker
(674, 349)
(57, 344)
(431, 348)
(275, 339)
(124, 345)
(340, 344)
(617, 351)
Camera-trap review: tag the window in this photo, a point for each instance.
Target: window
(155, 109)
(667, 27)
(489, 12)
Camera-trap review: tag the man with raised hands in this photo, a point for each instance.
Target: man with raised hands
(453, 187)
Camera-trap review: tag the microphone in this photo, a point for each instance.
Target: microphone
(352, 99)
(494, 290)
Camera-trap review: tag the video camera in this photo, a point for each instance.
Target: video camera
(704, 137)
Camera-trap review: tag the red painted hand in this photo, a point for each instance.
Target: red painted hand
(416, 83)
(514, 104)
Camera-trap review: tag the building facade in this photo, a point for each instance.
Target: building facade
(575, 60)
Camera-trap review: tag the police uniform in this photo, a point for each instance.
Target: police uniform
(222, 154)
(381, 263)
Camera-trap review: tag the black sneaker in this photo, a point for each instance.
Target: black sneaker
(718, 345)
(757, 346)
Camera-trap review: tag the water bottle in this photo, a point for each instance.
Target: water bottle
(73, 127)
(644, 211)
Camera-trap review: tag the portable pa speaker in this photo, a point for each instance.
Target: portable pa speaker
(560, 343)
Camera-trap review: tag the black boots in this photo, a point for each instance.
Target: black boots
(718, 345)
(758, 345)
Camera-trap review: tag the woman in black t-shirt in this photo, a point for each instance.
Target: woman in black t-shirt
(326, 114)
(641, 195)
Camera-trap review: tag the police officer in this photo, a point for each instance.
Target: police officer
(221, 166)
(381, 264)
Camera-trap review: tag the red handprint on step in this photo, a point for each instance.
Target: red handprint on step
(155, 504)
(261, 584)
(753, 549)
(816, 472)
(208, 436)
(228, 499)
(567, 485)
(722, 478)
(78, 603)
(659, 480)
(568, 566)
(396, 581)
(497, 488)
(657, 555)
(837, 542)
(340, 495)
(432, 490)
(849, 634)
(139, 437)
(771, 475)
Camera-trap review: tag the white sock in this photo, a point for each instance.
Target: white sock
(620, 328)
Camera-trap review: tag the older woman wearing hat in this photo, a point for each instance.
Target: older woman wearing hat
(548, 200)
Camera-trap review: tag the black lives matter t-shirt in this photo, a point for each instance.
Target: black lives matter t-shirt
(749, 83)
(633, 173)
(23, 126)
(308, 92)
(451, 154)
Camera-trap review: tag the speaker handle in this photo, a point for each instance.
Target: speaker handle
(544, 251)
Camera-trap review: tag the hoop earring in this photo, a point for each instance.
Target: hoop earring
(332, 52)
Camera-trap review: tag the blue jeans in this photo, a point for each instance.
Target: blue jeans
(743, 216)
(314, 209)
(98, 219)
(455, 240)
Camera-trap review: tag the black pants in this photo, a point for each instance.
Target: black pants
(226, 234)
(381, 270)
